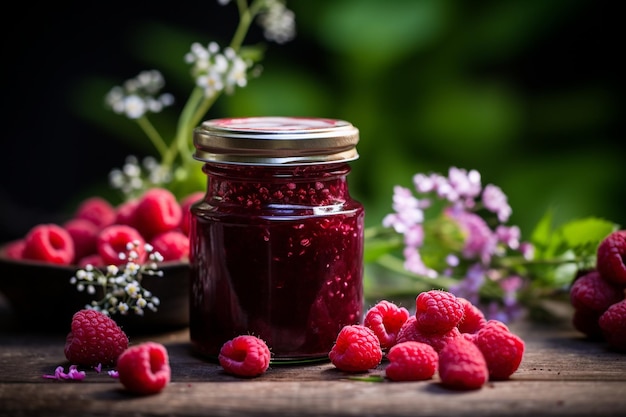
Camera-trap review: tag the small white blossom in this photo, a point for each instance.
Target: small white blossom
(122, 287)
(278, 22)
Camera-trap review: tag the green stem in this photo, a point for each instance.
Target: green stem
(247, 15)
(198, 105)
(153, 135)
(396, 265)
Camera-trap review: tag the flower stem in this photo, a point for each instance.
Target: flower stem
(153, 135)
(198, 105)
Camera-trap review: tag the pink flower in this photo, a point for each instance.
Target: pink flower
(73, 373)
(480, 242)
(496, 201)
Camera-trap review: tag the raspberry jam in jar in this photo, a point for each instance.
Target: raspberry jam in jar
(277, 241)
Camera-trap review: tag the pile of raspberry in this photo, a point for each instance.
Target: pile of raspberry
(95, 340)
(599, 295)
(98, 232)
(447, 335)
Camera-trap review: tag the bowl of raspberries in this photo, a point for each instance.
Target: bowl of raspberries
(38, 271)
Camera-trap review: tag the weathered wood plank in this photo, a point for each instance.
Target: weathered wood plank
(562, 374)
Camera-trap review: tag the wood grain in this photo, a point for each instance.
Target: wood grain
(562, 374)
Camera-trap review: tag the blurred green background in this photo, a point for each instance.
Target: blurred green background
(524, 91)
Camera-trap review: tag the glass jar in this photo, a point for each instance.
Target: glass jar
(277, 241)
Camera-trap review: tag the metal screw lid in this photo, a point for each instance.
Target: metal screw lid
(275, 141)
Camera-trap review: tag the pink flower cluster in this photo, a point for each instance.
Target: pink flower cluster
(462, 201)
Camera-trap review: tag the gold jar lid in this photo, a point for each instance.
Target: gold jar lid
(275, 141)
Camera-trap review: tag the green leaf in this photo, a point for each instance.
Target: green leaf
(540, 236)
(375, 248)
(369, 378)
(583, 236)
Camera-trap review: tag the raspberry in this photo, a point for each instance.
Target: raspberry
(14, 250)
(611, 258)
(144, 368)
(245, 355)
(410, 332)
(386, 319)
(437, 311)
(172, 245)
(158, 211)
(462, 366)
(473, 318)
(356, 349)
(586, 322)
(125, 212)
(97, 210)
(49, 243)
(93, 260)
(94, 339)
(502, 350)
(113, 240)
(613, 325)
(411, 361)
(591, 292)
(84, 234)
(185, 206)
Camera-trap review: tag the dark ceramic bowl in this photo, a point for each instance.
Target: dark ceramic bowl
(41, 298)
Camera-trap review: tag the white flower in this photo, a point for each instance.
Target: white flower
(134, 107)
(278, 22)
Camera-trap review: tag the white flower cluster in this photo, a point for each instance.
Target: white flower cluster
(134, 178)
(278, 22)
(121, 285)
(139, 95)
(216, 71)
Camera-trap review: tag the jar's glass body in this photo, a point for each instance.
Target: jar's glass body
(277, 252)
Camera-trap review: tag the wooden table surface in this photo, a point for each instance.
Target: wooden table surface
(562, 373)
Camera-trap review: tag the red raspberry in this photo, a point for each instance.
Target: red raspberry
(411, 361)
(185, 206)
(591, 292)
(245, 356)
(14, 250)
(49, 243)
(462, 365)
(125, 212)
(144, 368)
(114, 239)
(97, 210)
(473, 318)
(613, 325)
(586, 322)
(356, 349)
(386, 319)
(437, 311)
(503, 350)
(84, 234)
(172, 245)
(611, 258)
(158, 211)
(94, 339)
(93, 260)
(410, 332)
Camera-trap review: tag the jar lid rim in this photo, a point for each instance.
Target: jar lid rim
(272, 140)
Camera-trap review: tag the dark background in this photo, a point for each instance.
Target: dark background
(526, 92)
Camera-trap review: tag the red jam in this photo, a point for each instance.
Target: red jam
(277, 252)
